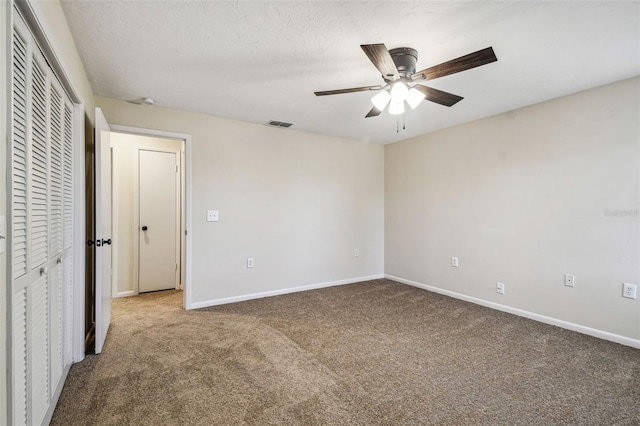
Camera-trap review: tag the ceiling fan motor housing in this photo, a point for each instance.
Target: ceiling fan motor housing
(405, 59)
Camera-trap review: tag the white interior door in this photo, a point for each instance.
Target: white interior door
(103, 229)
(158, 199)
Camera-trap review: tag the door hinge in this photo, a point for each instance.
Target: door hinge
(176, 168)
(176, 266)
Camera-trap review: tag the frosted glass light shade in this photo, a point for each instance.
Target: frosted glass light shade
(381, 100)
(396, 107)
(399, 92)
(414, 97)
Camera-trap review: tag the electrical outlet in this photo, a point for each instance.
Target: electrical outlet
(356, 252)
(500, 288)
(630, 291)
(454, 262)
(212, 215)
(569, 280)
(250, 262)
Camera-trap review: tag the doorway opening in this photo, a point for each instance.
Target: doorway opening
(121, 278)
(109, 221)
(148, 213)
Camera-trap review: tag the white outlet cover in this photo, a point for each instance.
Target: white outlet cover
(570, 280)
(250, 262)
(630, 291)
(454, 262)
(500, 288)
(356, 252)
(212, 215)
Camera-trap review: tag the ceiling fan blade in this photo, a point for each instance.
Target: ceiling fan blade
(463, 63)
(381, 58)
(373, 113)
(354, 89)
(438, 96)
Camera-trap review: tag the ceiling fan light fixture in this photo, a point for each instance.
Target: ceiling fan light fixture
(396, 107)
(381, 100)
(399, 92)
(414, 97)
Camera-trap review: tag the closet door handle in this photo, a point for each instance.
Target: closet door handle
(144, 228)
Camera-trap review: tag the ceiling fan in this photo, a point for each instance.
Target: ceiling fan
(398, 68)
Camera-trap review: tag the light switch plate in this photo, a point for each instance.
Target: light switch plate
(212, 215)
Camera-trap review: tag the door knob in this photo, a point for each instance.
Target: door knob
(106, 242)
(144, 228)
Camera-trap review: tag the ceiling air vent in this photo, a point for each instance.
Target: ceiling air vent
(279, 124)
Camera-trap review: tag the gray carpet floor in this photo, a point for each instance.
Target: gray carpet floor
(372, 353)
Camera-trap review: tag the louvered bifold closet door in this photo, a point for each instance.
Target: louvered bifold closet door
(56, 131)
(20, 153)
(38, 297)
(41, 230)
(67, 232)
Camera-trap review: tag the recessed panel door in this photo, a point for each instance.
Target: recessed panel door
(158, 228)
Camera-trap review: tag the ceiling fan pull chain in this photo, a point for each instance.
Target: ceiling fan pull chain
(403, 122)
(397, 124)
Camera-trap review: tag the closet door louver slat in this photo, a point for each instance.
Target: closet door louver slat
(68, 178)
(67, 277)
(39, 173)
(20, 357)
(19, 157)
(67, 208)
(39, 353)
(56, 333)
(55, 204)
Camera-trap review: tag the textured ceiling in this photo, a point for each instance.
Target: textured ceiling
(261, 61)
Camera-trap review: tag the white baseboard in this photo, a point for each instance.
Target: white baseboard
(123, 294)
(627, 341)
(234, 299)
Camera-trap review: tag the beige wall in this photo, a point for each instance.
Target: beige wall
(524, 198)
(124, 161)
(298, 203)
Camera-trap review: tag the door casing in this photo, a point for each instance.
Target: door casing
(186, 197)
